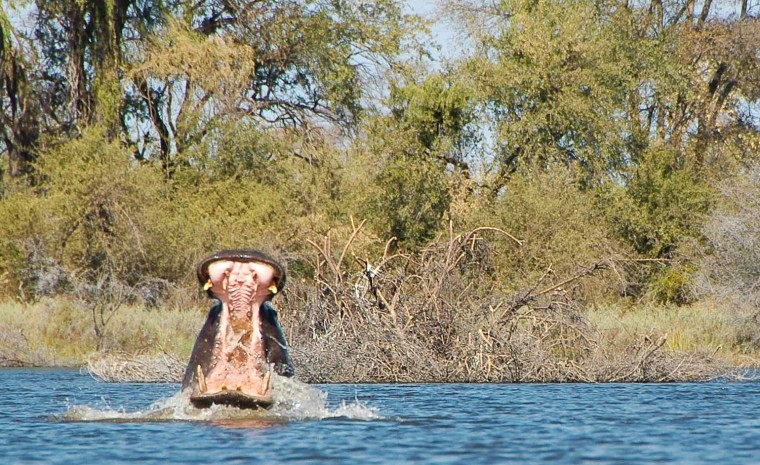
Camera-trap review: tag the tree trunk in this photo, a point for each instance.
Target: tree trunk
(705, 12)
(162, 128)
(20, 120)
(77, 43)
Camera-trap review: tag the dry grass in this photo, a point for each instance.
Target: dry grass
(707, 327)
(60, 332)
(39, 335)
(17, 351)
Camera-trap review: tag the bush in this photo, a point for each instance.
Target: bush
(431, 316)
(660, 206)
(561, 226)
(412, 202)
(101, 213)
(729, 257)
(88, 217)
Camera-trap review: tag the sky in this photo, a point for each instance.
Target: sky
(441, 31)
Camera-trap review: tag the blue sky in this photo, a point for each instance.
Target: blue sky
(443, 33)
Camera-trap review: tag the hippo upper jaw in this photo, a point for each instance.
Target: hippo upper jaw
(234, 370)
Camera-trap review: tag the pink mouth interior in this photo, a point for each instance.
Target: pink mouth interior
(239, 358)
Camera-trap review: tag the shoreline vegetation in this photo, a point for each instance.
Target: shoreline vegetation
(635, 344)
(428, 318)
(571, 195)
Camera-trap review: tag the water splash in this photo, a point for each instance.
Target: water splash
(293, 400)
(296, 400)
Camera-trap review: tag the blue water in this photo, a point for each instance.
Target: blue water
(63, 417)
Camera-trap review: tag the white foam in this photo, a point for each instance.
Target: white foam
(293, 400)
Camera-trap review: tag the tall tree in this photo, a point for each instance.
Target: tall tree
(19, 113)
(83, 47)
(162, 75)
(599, 83)
(291, 64)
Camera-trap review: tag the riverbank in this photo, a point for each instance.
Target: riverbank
(605, 343)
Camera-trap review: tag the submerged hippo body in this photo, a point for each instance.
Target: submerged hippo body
(241, 341)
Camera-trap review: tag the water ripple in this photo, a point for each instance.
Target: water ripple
(62, 417)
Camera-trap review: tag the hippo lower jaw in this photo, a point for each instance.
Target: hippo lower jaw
(256, 394)
(237, 399)
(237, 373)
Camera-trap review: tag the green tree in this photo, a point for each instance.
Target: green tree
(651, 101)
(421, 147)
(602, 83)
(19, 114)
(293, 64)
(552, 78)
(161, 75)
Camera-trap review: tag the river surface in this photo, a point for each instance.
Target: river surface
(53, 416)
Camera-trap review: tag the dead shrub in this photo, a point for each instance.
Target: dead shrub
(143, 368)
(729, 258)
(435, 316)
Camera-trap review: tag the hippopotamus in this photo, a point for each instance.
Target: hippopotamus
(241, 342)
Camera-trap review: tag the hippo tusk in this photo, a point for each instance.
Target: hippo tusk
(265, 387)
(201, 379)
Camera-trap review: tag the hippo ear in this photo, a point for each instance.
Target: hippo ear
(207, 289)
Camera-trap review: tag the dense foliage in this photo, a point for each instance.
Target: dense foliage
(137, 135)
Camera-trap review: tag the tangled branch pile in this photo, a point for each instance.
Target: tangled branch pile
(121, 367)
(437, 316)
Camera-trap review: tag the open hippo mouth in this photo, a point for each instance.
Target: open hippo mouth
(241, 341)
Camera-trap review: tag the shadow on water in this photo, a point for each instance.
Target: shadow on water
(294, 400)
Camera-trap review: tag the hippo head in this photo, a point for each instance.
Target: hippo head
(241, 342)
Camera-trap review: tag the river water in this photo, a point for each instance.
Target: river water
(53, 416)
